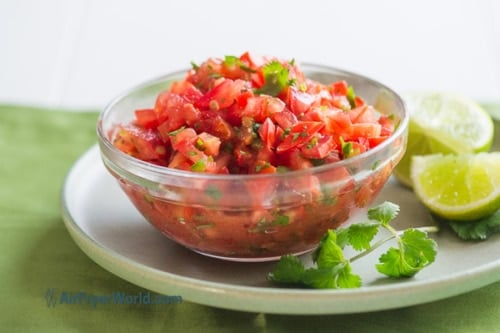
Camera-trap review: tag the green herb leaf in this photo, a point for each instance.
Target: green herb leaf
(213, 192)
(476, 230)
(194, 66)
(177, 131)
(384, 213)
(199, 166)
(346, 148)
(393, 263)
(361, 234)
(329, 253)
(275, 79)
(339, 276)
(288, 270)
(351, 97)
(231, 60)
(264, 224)
(319, 278)
(346, 279)
(415, 252)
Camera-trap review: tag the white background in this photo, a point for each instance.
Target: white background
(80, 54)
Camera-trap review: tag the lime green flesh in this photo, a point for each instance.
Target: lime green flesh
(459, 187)
(444, 123)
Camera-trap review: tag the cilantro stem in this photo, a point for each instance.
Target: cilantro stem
(394, 233)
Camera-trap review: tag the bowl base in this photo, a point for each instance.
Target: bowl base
(247, 259)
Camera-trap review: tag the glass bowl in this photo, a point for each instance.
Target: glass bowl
(253, 217)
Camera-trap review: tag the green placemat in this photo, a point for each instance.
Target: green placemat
(39, 259)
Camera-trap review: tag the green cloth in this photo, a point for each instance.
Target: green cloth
(37, 149)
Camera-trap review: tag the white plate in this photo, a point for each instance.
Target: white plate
(108, 229)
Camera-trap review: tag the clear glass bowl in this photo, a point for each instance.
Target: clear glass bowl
(253, 217)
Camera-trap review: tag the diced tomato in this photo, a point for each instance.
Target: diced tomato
(266, 154)
(365, 130)
(263, 166)
(187, 90)
(339, 88)
(294, 160)
(208, 143)
(215, 126)
(285, 119)
(179, 161)
(260, 107)
(252, 60)
(299, 101)
(173, 110)
(318, 147)
(387, 123)
(143, 144)
(182, 136)
(363, 114)
(222, 95)
(337, 122)
(244, 156)
(267, 132)
(375, 141)
(146, 118)
(358, 101)
(299, 135)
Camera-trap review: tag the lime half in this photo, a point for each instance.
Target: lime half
(443, 123)
(458, 187)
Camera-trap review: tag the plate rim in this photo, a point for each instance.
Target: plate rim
(265, 299)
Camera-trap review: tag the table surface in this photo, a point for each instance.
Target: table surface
(76, 55)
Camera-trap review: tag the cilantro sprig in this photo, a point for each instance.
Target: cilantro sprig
(414, 251)
(476, 230)
(276, 79)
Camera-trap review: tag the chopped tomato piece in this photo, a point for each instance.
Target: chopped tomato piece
(299, 101)
(267, 132)
(208, 143)
(299, 135)
(146, 118)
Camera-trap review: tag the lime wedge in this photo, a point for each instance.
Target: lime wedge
(443, 123)
(458, 187)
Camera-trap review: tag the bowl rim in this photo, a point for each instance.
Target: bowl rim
(162, 171)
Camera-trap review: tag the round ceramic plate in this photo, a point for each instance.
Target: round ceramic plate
(109, 230)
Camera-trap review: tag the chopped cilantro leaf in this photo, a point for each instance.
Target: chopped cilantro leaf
(231, 60)
(351, 97)
(346, 148)
(213, 192)
(177, 131)
(264, 224)
(282, 169)
(198, 166)
(194, 66)
(275, 79)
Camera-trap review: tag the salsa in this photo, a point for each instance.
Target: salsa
(250, 115)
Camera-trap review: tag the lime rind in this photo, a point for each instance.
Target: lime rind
(458, 187)
(443, 123)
